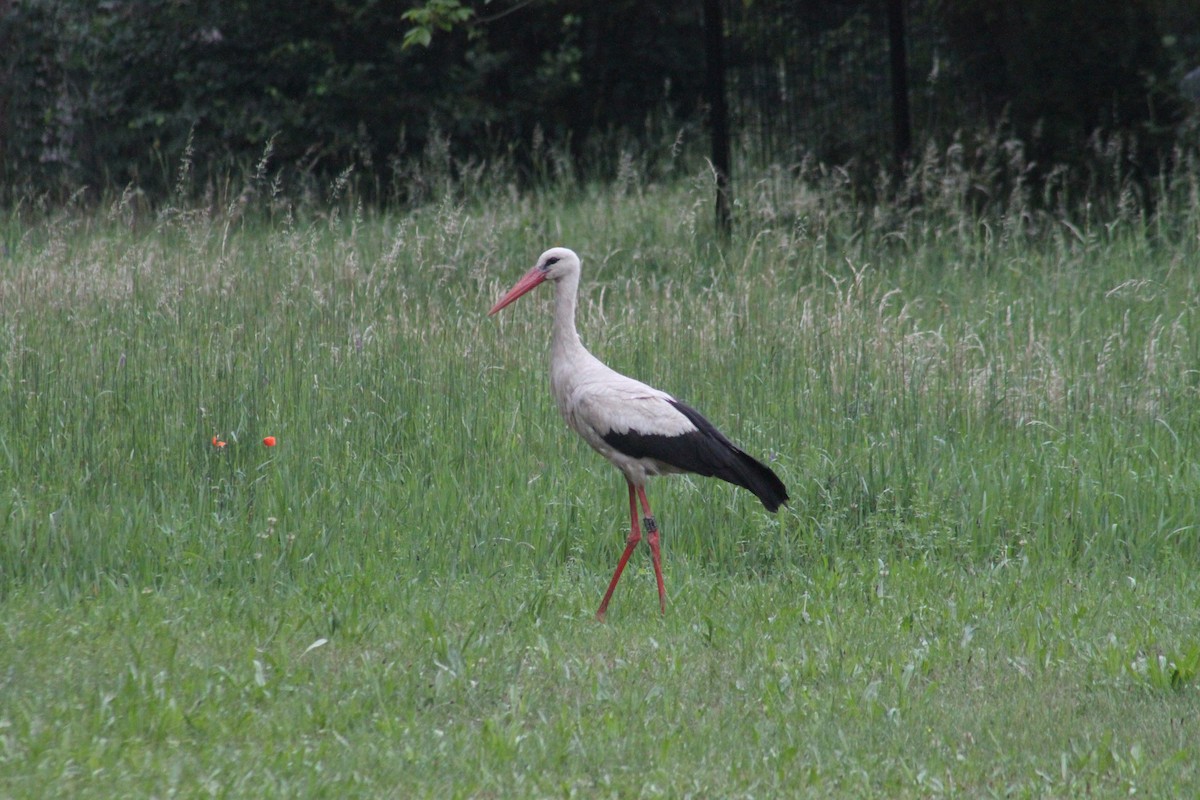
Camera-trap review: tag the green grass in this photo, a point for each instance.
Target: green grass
(985, 584)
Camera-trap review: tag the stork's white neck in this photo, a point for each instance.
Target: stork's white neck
(565, 345)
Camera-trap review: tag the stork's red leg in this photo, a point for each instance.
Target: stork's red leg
(652, 540)
(635, 536)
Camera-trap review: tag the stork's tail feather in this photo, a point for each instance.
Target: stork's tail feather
(727, 461)
(750, 473)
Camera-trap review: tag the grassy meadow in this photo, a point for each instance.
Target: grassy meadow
(986, 583)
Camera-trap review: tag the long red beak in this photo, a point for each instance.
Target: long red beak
(528, 281)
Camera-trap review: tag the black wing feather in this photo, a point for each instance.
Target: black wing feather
(704, 451)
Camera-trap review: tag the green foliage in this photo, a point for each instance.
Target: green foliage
(984, 585)
(442, 15)
(1004, 682)
(103, 96)
(1061, 71)
(116, 91)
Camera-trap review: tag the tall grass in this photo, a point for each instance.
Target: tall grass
(928, 380)
(984, 408)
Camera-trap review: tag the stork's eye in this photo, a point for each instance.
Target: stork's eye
(549, 262)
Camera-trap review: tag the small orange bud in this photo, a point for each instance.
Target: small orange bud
(269, 441)
(217, 442)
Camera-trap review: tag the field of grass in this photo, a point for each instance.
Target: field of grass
(986, 583)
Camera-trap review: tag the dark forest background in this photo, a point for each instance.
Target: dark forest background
(99, 96)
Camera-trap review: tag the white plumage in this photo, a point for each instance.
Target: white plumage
(643, 431)
(609, 403)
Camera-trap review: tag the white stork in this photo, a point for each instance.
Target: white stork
(641, 430)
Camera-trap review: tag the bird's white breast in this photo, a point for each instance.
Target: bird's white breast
(595, 400)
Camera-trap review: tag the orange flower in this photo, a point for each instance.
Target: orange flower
(217, 442)
(269, 441)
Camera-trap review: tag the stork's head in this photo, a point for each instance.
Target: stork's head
(553, 265)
